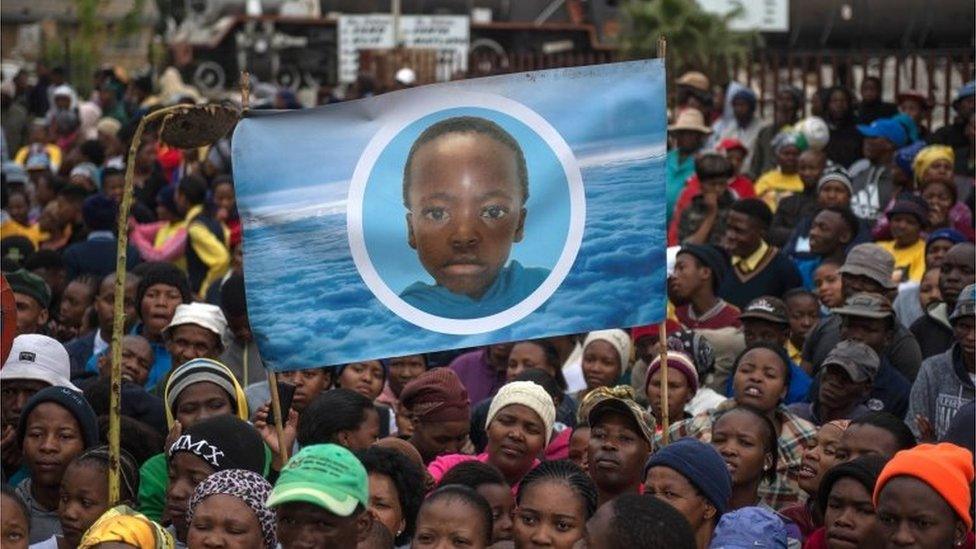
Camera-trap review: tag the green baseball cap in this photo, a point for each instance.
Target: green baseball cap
(326, 475)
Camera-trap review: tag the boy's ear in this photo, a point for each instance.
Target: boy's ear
(520, 229)
(411, 239)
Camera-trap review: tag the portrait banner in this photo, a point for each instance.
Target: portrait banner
(455, 215)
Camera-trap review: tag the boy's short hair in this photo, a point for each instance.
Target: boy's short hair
(194, 189)
(712, 166)
(756, 209)
(646, 522)
(468, 124)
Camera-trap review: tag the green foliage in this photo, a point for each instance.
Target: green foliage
(696, 39)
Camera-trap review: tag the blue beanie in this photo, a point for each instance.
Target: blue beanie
(701, 464)
(99, 212)
(951, 235)
(72, 401)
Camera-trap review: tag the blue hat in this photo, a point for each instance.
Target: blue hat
(911, 128)
(749, 527)
(951, 235)
(701, 464)
(905, 157)
(886, 128)
(967, 90)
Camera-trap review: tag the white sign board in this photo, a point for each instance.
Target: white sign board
(756, 15)
(448, 34)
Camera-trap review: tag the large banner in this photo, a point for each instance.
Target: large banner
(455, 215)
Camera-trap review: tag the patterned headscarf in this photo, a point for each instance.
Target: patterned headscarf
(247, 486)
(122, 524)
(697, 347)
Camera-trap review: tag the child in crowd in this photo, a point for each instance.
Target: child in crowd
(682, 386)
(489, 483)
(225, 204)
(907, 218)
(793, 208)
(475, 279)
(703, 220)
(56, 425)
(781, 182)
(14, 519)
(827, 282)
(803, 312)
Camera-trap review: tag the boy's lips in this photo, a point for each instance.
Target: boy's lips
(464, 268)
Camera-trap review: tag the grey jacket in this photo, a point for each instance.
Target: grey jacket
(943, 385)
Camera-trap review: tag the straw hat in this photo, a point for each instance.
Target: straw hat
(693, 79)
(690, 120)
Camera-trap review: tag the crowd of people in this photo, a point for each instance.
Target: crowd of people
(820, 353)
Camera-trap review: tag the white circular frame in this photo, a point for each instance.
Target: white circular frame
(435, 101)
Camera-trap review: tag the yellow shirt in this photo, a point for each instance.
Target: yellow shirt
(909, 261)
(774, 186)
(749, 264)
(796, 355)
(13, 228)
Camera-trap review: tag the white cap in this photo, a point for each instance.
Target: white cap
(204, 315)
(38, 357)
(406, 76)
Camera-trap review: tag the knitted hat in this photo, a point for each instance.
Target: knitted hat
(913, 205)
(696, 347)
(29, 284)
(951, 235)
(99, 212)
(839, 174)
(946, 468)
(436, 396)
(527, 394)
(618, 339)
(247, 486)
(927, 156)
(701, 464)
(679, 361)
(223, 442)
(70, 400)
(203, 369)
(965, 304)
(163, 273)
(864, 470)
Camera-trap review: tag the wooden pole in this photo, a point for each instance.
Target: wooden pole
(118, 322)
(662, 50)
(278, 420)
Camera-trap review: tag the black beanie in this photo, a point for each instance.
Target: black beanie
(70, 400)
(223, 442)
(865, 470)
(163, 273)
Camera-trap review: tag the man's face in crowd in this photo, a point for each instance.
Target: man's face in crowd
(189, 341)
(855, 284)
(838, 391)
(742, 110)
(74, 303)
(306, 526)
(828, 233)
(838, 105)
(440, 438)
(957, 271)
(688, 277)
(687, 141)
(964, 330)
(936, 251)
(873, 332)
(617, 452)
(810, 167)
(105, 303)
(861, 439)
(466, 210)
(31, 315)
(742, 234)
(876, 149)
(137, 360)
(15, 393)
(756, 330)
(834, 193)
(405, 369)
(905, 228)
(870, 92)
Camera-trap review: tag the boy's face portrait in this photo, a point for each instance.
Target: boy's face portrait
(465, 210)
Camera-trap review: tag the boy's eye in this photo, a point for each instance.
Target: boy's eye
(435, 214)
(494, 212)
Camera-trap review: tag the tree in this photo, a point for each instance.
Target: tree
(697, 40)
